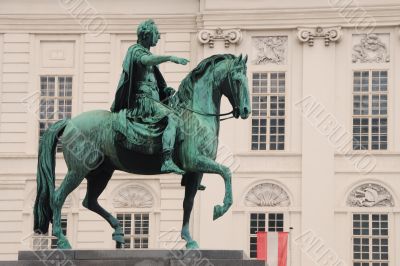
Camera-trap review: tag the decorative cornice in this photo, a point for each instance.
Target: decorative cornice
(308, 35)
(228, 36)
(291, 17)
(115, 23)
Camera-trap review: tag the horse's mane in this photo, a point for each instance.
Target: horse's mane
(186, 87)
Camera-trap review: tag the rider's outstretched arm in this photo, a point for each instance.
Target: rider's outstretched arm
(153, 60)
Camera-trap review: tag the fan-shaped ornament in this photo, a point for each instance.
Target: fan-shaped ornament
(133, 197)
(267, 195)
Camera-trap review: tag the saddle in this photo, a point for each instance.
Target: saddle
(135, 135)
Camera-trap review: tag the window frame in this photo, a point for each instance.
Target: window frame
(370, 236)
(56, 98)
(39, 69)
(269, 70)
(369, 116)
(273, 210)
(132, 221)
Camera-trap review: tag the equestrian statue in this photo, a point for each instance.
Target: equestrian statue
(151, 129)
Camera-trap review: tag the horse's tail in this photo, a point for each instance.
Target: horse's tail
(45, 177)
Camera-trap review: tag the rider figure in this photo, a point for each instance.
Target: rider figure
(141, 88)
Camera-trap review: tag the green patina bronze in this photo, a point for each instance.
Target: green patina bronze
(150, 130)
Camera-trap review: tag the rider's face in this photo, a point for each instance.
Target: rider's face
(155, 37)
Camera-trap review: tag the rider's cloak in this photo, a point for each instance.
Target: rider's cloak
(127, 86)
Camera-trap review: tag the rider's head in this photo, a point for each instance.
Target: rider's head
(147, 33)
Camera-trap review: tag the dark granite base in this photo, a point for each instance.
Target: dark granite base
(134, 257)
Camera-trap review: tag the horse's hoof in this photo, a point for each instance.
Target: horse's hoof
(119, 239)
(192, 245)
(218, 211)
(63, 244)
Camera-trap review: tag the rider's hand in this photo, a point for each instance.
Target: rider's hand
(179, 60)
(169, 91)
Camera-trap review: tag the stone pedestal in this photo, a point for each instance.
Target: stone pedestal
(135, 257)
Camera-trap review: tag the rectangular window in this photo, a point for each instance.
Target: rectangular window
(136, 229)
(268, 111)
(261, 222)
(40, 242)
(370, 240)
(55, 101)
(370, 116)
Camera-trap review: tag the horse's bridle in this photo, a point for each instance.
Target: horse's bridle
(233, 95)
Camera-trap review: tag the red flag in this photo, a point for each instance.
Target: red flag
(272, 247)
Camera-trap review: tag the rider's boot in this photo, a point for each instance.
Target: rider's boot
(168, 165)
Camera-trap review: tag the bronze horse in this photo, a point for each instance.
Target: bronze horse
(93, 149)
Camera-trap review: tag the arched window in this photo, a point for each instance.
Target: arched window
(370, 224)
(267, 206)
(133, 205)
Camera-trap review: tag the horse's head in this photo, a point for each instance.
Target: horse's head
(237, 90)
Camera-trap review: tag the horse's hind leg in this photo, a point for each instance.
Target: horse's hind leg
(191, 186)
(70, 182)
(97, 182)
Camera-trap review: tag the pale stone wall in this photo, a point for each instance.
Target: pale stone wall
(316, 173)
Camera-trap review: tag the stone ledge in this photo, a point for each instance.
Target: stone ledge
(149, 257)
(128, 254)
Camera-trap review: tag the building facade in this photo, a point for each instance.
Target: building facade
(318, 158)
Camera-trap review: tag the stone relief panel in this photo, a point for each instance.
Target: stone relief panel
(371, 48)
(133, 196)
(370, 195)
(57, 54)
(269, 50)
(267, 195)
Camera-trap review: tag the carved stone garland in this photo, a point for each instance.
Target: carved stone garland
(267, 195)
(328, 34)
(229, 36)
(371, 49)
(270, 49)
(133, 196)
(370, 195)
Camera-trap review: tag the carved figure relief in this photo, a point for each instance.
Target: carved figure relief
(270, 50)
(133, 196)
(267, 195)
(370, 195)
(371, 48)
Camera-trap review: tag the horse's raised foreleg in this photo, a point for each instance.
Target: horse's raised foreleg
(70, 182)
(191, 186)
(207, 165)
(96, 184)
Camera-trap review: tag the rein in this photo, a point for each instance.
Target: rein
(223, 114)
(190, 109)
(206, 114)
